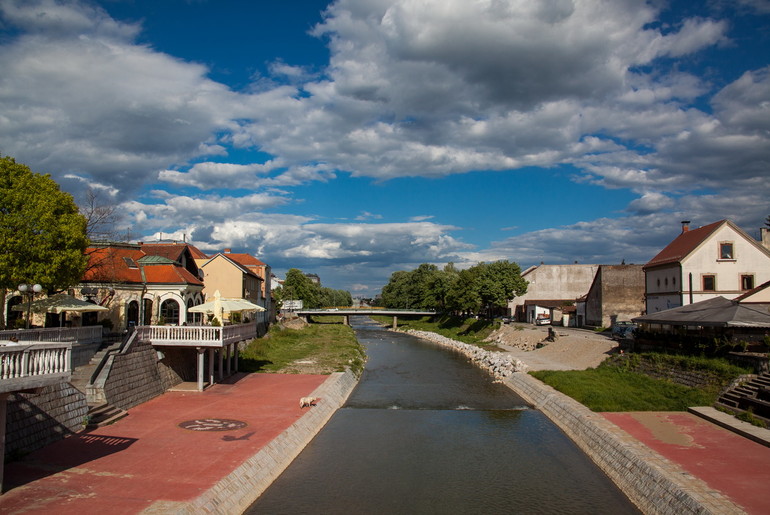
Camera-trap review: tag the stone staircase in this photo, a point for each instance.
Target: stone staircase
(99, 413)
(753, 394)
(103, 415)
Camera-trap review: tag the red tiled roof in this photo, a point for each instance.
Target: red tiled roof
(245, 259)
(683, 245)
(172, 251)
(120, 264)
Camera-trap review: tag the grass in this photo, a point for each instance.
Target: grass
(614, 389)
(466, 330)
(327, 347)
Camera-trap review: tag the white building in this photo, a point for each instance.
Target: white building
(718, 259)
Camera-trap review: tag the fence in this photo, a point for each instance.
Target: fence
(204, 336)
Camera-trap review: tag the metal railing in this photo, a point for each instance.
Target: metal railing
(40, 359)
(57, 334)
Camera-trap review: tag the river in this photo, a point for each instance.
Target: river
(427, 432)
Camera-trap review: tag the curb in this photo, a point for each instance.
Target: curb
(238, 490)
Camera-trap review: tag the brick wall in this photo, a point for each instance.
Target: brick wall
(35, 420)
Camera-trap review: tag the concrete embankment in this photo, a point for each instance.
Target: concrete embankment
(655, 484)
(237, 491)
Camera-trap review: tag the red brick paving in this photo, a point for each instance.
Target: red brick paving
(736, 466)
(146, 457)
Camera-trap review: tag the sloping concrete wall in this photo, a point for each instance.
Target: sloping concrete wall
(653, 483)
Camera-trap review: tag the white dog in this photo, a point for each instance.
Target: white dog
(306, 402)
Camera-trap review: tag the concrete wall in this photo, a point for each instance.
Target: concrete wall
(554, 282)
(654, 484)
(35, 420)
(616, 295)
(236, 492)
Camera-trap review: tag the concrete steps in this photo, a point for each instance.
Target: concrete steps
(744, 396)
(81, 376)
(104, 415)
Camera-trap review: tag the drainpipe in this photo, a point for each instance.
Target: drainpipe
(691, 288)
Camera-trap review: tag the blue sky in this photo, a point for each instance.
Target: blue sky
(355, 138)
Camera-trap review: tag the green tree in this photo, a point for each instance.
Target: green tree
(298, 286)
(42, 234)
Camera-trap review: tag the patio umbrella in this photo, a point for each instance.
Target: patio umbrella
(58, 304)
(220, 305)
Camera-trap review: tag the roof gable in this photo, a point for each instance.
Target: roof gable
(683, 245)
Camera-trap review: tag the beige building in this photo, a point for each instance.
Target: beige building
(616, 295)
(549, 287)
(718, 259)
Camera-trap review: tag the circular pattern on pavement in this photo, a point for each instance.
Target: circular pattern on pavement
(212, 424)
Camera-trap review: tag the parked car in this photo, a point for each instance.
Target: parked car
(543, 320)
(623, 330)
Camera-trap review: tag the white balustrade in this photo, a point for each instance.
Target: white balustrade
(19, 361)
(56, 334)
(200, 335)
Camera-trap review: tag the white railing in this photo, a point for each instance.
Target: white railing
(56, 334)
(205, 336)
(20, 361)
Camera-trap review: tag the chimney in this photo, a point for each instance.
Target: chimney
(764, 234)
(685, 226)
(227, 251)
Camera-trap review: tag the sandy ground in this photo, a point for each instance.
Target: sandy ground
(573, 349)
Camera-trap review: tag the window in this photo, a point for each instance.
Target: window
(726, 250)
(709, 283)
(747, 282)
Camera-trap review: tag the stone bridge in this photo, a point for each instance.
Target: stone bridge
(346, 313)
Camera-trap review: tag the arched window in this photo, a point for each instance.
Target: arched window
(192, 318)
(169, 310)
(132, 314)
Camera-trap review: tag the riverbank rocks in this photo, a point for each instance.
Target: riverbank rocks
(498, 364)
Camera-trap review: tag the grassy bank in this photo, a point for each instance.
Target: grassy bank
(315, 349)
(466, 330)
(615, 386)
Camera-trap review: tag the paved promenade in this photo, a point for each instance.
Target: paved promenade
(148, 457)
(167, 453)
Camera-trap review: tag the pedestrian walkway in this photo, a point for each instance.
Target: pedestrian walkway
(726, 461)
(172, 448)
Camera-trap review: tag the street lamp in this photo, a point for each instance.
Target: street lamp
(29, 290)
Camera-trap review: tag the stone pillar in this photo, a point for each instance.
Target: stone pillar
(346, 319)
(211, 365)
(228, 359)
(200, 367)
(395, 322)
(220, 354)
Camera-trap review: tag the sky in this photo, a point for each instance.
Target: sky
(355, 138)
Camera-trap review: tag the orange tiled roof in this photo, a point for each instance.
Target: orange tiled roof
(245, 259)
(683, 245)
(120, 264)
(172, 251)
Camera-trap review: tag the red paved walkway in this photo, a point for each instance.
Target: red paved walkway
(737, 467)
(146, 457)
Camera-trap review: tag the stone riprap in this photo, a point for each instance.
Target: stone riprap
(499, 364)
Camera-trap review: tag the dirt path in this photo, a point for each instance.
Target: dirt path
(573, 349)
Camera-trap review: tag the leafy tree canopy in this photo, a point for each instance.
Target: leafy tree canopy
(42, 234)
(483, 287)
(298, 286)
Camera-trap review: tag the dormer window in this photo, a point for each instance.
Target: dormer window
(130, 263)
(726, 250)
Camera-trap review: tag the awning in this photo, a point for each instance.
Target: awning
(716, 312)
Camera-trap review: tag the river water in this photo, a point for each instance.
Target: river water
(427, 432)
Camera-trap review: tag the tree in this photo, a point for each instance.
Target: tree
(42, 234)
(298, 286)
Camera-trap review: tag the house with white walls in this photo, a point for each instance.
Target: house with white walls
(719, 259)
